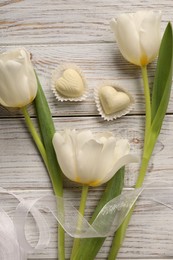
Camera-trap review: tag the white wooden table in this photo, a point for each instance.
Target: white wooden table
(76, 31)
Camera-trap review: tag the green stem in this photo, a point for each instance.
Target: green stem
(120, 233)
(61, 243)
(56, 185)
(147, 101)
(82, 211)
(142, 172)
(35, 135)
(146, 153)
(119, 237)
(89, 247)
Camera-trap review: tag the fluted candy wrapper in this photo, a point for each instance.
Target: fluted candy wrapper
(112, 101)
(69, 83)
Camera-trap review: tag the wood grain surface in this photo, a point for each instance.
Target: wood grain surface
(75, 31)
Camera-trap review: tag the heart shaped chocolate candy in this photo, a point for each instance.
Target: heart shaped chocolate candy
(70, 84)
(113, 101)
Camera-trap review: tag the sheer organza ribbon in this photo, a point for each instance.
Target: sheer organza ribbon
(14, 244)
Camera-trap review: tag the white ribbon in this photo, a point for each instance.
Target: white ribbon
(13, 242)
(9, 244)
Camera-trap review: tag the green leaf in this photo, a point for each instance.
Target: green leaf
(47, 130)
(89, 247)
(162, 81)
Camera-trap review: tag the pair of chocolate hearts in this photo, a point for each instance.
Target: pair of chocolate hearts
(71, 84)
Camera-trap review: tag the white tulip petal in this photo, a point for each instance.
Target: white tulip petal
(25, 78)
(58, 139)
(122, 148)
(127, 38)
(66, 156)
(5, 95)
(138, 36)
(150, 36)
(3, 103)
(13, 66)
(18, 85)
(106, 159)
(25, 55)
(20, 98)
(102, 137)
(112, 152)
(87, 160)
(138, 18)
(129, 158)
(3, 84)
(83, 137)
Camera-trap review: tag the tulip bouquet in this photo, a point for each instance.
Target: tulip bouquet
(93, 159)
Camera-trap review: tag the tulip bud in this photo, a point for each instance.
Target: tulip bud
(138, 36)
(18, 83)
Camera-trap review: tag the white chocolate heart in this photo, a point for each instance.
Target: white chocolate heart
(70, 84)
(113, 101)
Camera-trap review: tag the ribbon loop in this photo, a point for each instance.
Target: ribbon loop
(14, 244)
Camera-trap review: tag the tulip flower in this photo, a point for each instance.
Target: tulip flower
(90, 159)
(138, 36)
(18, 83)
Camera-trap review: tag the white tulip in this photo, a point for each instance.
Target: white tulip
(138, 36)
(18, 83)
(88, 158)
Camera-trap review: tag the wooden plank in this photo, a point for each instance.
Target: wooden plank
(21, 166)
(67, 21)
(146, 224)
(57, 32)
(99, 62)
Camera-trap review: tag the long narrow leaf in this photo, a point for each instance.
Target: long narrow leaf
(47, 130)
(163, 80)
(89, 247)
